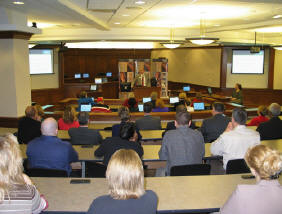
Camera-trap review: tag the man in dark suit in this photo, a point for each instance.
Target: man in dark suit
(29, 127)
(271, 129)
(83, 135)
(213, 127)
(148, 122)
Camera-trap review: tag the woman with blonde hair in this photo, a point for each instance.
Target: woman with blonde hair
(125, 177)
(69, 119)
(265, 196)
(16, 187)
(154, 97)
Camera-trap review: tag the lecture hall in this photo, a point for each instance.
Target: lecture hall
(140, 106)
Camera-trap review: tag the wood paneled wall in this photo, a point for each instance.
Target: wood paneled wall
(47, 96)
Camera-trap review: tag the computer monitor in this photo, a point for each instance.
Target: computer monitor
(199, 106)
(93, 87)
(209, 90)
(173, 100)
(85, 75)
(125, 87)
(140, 107)
(104, 79)
(98, 80)
(77, 76)
(85, 107)
(109, 74)
(186, 88)
(146, 99)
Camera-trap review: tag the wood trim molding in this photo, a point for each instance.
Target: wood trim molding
(271, 68)
(15, 35)
(223, 68)
(9, 122)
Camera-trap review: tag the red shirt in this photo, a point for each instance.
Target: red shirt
(257, 120)
(66, 126)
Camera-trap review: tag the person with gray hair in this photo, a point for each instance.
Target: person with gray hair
(50, 152)
(236, 139)
(83, 135)
(272, 129)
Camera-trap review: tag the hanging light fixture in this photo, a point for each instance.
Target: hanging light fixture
(171, 44)
(202, 40)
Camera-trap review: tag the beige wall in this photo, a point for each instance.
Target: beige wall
(277, 83)
(247, 80)
(42, 81)
(199, 66)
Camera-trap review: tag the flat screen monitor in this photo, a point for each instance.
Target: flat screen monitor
(93, 87)
(199, 106)
(77, 76)
(109, 74)
(209, 90)
(85, 107)
(98, 80)
(141, 107)
(173, 100)
(85, 75)
(125, 87)
(104, 80)
(186, 88)
(146, 99)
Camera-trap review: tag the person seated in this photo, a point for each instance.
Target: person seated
(48, 151)
(234, 142)
(262, 116)
(132, 105)
(237, 94)
(213, 127)
(160, 106)
(264, 196)
(126, 140)
(197, 99)
(100, 106)
(124, 114)
(69, 119)
(183, 100)
(83, 135)
(154, 97)
(17, 193)
(148, 122)
(183, 145)
(271, 129)
(40, 112)
(125, 178)
(131, 96)
(29, 126)
(83, 99)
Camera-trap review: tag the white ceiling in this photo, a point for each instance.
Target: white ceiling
(94, 20)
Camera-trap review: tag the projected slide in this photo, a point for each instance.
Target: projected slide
(40, 61)
(245, 62)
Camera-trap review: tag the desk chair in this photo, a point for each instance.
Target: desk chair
(237, 166)
(192, 169)
(41, 172)
(95, 170)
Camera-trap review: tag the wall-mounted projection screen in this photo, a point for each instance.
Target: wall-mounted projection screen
(41, 61)
(245, 62)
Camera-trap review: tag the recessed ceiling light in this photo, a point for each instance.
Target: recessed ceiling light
(125, 15)
(139, 2)
(117, 23)
(18, 2)
(277, 16)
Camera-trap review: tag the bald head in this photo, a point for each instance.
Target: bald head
(49, 127)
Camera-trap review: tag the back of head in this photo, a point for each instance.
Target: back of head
(39, 110)
(265, 161)
(240, 116)
(148, 107)
(239, 86)
(49, 127)
(181, 108)
(160, 103)
(218, 107)
(125, 175)
(83, 94)
(183, 118)
(123, 113)
(83, 118)
(154, 95)
(30, 112)
(198, 95)
(274, 109)
(132, 102)
(263, 110)
(182, 96)
(131, 95)
(69, 114)
(11, 168)
(127, 131)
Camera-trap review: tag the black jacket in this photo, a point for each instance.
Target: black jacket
(271, 129)
(28, 129)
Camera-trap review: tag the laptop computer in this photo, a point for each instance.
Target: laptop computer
(93, 87)
(140, 107)
(85, 107)
(173, 100)
(199, 106)
(186, 88)
(146, 99)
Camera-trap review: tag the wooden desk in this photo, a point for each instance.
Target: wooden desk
(187, 193)
(103, 125)
(7, 130)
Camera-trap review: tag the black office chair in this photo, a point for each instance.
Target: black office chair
(192, 169)
(95, 170)
(237, 166)
(42, 172)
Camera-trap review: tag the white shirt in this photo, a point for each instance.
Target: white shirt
(235, 143)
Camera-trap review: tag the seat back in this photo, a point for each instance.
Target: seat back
(95, 170)
(42, 172)
(237, 166)
(192, 169)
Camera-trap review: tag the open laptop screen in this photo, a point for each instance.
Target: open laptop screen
(173, 100)
(85, 107)
(93, 87)
(186, 88)
(140, 107)
(146, 99)
(199, 106)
